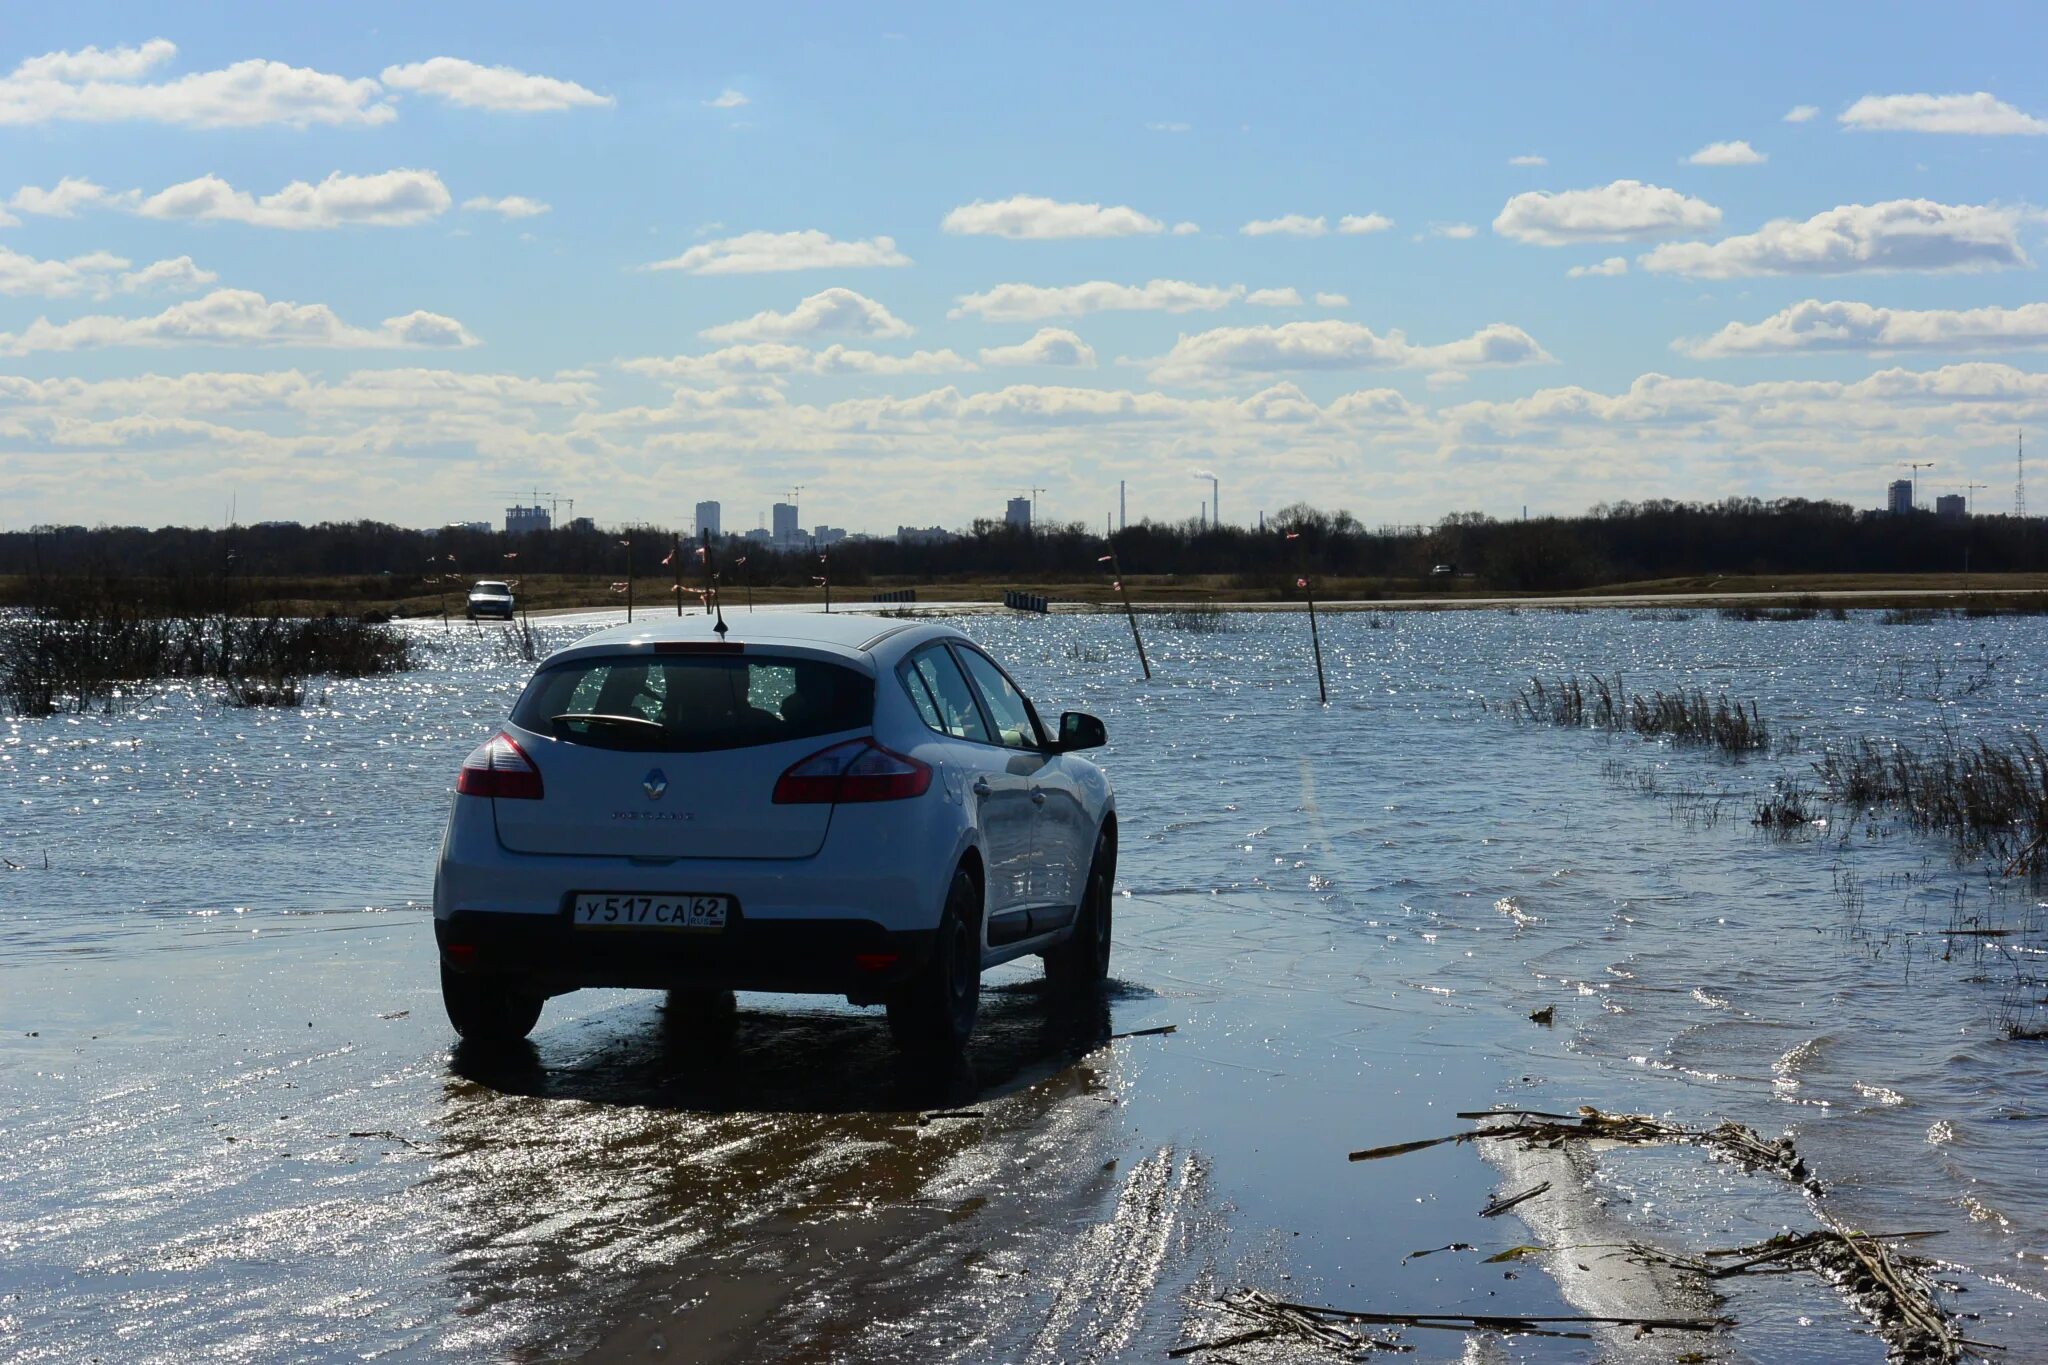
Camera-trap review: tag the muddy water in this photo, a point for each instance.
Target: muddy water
(235, 1127)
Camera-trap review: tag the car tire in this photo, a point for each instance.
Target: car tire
(934, 1011)
(1081, 964)
(488, 1009)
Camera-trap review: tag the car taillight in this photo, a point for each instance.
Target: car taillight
(499, 768)
(858, 770)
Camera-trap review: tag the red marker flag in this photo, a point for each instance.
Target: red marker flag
(1294, 535)
(513, 555)
(817, 580)
(619, 588)
(1301, 582)
(741, 560)
(1102, 559)
(668, 559)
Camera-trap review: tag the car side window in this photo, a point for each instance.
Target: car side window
(948, 706)
(1006, 705)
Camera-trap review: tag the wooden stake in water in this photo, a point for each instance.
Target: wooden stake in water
(1315, 638)
(628, 543)
(1130, 614)
(675, 557)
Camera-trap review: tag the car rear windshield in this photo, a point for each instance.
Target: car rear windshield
(694, 704)
(491, 587)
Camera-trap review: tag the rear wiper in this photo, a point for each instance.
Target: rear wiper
(631, 723)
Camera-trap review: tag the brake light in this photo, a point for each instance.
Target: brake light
(858, 770)
(499, 768)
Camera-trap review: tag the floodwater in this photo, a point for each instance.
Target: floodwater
(235, 1126)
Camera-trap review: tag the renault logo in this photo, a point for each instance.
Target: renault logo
(654, 784)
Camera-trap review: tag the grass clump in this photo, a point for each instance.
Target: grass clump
(1204, 618)
(1990, 799)
(1690, 718)
(84, 643)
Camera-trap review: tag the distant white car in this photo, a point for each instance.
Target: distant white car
(837, 804)
(490, 598)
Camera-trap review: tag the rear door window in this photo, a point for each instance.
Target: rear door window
(940, 692)
(669, 704)
(1015, 726)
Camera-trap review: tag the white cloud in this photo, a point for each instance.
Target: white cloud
(1900, 234)
(398, 198)
(1274, 298)
(177, 275)
(1446, 379)
(1801, 113)
(1333, 345)
(1736, 153)
(836, 359)
(1287, 225)
(1979, 114)
(1169, 127)
(1613, 265)
(755, 253)
(830, 311)
(236, 317)
(1186, 229)
(1624, 211)
(1457, 232)
(95, 86)
(1530, 160)
(728, 98)
(1817, 326)
(8, 220)
(1357, 225)
(96, 274)
(1029, 302)
(474, 86)
(62, 200)
(511, 206)
(1331, 300)
(1034, 217)
(1048, 346)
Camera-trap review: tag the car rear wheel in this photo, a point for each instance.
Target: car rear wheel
(488, 1009)
(1082, 962)
(934, 1011)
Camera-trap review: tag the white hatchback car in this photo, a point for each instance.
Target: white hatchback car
(838, 804)
(491, 597)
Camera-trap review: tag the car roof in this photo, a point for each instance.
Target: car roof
(842, 633)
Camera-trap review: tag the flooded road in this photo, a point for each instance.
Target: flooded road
(237, 1127)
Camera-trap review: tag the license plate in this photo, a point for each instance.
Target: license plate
(609, 910)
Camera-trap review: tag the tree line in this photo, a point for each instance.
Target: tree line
(1611, 543)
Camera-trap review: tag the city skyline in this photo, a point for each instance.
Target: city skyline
(321, 265)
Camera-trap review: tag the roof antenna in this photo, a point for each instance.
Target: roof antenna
(711, 586)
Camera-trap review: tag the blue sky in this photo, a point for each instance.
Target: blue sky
(393, 261)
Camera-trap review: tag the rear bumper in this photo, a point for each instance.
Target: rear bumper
(856, 958)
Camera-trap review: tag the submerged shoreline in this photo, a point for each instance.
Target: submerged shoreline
(216, 1061)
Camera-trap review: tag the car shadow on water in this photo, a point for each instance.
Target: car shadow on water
(797, 1060)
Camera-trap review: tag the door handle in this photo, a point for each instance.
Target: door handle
(981, 786)
(1037, 797)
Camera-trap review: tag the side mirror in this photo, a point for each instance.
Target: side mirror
(1079, 730)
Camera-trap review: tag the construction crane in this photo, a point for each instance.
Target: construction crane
(555, 500)
(1916, 466)
(1970, 492)
(1034, 492)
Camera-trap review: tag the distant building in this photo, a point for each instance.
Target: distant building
(707, 519)
(923, 535)
(821, 536)
(1018, 514)
(1951, 507)
(520, 520)
(783, 524)
(1898, 499)
(483, 526)
(759, 536)
(580, 524)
